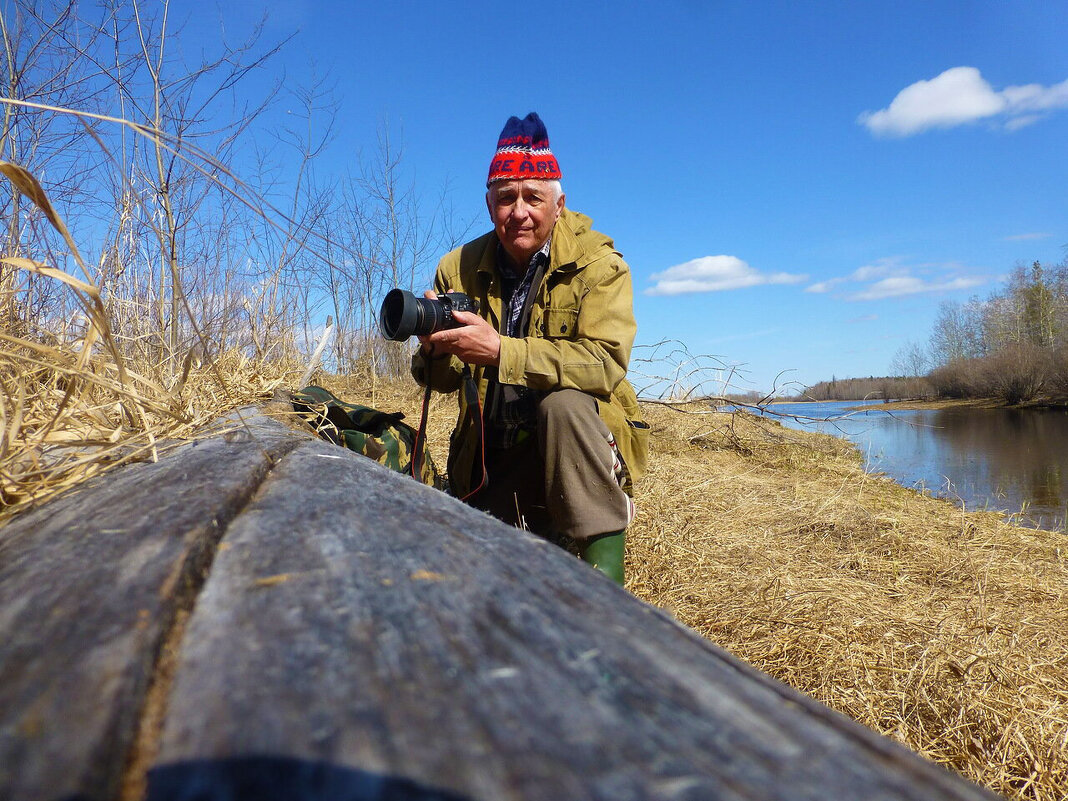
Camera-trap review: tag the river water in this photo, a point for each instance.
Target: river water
(1011, 460)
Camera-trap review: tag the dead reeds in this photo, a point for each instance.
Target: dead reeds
(72, 402)
(63, 422)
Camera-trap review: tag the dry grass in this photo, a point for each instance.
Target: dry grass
(942, 629)
(74, 404)
(63, 422)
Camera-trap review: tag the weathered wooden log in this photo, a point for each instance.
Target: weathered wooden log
(361, 636)
(90, 585)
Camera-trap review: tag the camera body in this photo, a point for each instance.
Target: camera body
(404, 315)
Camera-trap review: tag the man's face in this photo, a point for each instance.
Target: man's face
(523, 214)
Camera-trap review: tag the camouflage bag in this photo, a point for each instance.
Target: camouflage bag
(377, 435)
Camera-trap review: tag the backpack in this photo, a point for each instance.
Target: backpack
(377, 435)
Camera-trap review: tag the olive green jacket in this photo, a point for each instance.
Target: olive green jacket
(579, 337)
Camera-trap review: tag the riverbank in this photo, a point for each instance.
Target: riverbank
(966, 403)
(940, 628)
(939, 403)
(942, 403)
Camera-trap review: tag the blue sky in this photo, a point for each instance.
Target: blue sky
(796, 186)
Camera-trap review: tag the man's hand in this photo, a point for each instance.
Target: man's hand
(474, 342)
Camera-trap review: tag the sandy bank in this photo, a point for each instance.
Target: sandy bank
(970, 403)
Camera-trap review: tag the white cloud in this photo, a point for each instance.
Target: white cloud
(824, 286)
(714, 274)
(1035, 97)
(890, 278)
(911, 285)
(1016, 123)
(869, 272)
(1026, 237)
(959, 96)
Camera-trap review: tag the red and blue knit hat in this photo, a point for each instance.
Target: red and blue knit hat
(523, 152)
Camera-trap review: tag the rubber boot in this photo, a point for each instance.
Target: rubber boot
(605, 552)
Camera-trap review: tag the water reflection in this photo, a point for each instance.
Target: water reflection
(1008, 459)
(1025, 452)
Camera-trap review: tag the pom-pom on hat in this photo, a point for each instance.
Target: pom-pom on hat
(523, 152)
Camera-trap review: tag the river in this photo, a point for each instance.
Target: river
(1011, 460)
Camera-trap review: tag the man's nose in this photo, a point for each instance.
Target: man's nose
(520, 209)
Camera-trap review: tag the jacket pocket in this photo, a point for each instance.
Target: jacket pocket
(559, 323)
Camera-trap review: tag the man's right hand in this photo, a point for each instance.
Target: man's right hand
(475, 341)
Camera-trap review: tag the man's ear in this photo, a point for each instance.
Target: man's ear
(489, 204)
(560, 204)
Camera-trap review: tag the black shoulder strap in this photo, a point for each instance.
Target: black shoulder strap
(470, 390)
(528, 301)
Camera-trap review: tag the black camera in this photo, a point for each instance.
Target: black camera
(404, 315)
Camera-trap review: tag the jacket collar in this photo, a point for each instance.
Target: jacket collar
(565, 250)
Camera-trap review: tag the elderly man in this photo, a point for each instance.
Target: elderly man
(555, 439)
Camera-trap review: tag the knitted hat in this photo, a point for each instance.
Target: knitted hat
(523, 152)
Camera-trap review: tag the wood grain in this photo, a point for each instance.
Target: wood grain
(89, 587)
(363, 636)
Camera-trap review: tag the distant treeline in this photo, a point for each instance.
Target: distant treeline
(871, 388)
(1012, 346)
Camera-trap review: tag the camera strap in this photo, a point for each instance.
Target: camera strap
(470, 390)
(474, 406)
(528, 301)
(420, 436)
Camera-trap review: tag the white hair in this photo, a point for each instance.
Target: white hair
(554, 186)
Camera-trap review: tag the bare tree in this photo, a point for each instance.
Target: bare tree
(959, 331)
(392, 243)
(188, 107)
(134, 141)
(43, 64)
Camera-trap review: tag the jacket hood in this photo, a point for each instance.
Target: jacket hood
(575, 241)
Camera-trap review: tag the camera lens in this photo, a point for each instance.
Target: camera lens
(431, 316)
(403, 314)
(399, 315)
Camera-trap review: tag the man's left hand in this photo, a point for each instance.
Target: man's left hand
(474, 342)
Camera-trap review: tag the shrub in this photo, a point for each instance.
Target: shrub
(1057, 378)
(1015, 373)
(956, 379)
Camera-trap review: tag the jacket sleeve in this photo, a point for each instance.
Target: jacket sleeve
(585, 348)
(442, 373)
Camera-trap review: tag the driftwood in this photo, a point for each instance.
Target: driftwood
(262, 615)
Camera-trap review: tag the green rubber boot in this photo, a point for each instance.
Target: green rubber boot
(605, 552)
